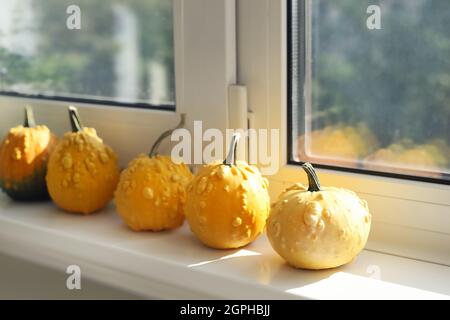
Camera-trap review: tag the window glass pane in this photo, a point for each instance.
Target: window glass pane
(118, 50)
(374, 99)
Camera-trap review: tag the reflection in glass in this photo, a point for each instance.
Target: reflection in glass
(123, 51)
(375, 99)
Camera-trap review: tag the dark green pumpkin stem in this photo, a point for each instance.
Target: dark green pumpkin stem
(165, 134)
(29, 118)
(313, 180)
(231, 156)
(75, 121)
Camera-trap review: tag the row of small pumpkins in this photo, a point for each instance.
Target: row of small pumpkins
(226, 203)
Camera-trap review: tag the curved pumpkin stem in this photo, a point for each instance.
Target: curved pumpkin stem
(313, 180)
(231, 156)
(165, 134)
(75, 121)
(29, 118)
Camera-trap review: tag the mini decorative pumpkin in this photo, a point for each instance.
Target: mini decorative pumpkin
(318, 228)
(228, 203)
(82, 171)
(23, 160)
(152, 190)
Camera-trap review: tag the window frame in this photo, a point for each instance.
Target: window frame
(224, 42)
(305, 22)
(205, 65)
(410, 218)
(101, 102)
(92, 101)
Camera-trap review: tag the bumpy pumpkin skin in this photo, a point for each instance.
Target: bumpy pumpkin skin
(318, 230)
(23, 162)
(227, 206)
(82, 172)
(151, 193)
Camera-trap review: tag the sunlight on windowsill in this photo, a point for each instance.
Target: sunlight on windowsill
(238, 254)
(349, 286)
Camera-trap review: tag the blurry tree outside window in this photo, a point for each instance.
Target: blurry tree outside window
(123, 51)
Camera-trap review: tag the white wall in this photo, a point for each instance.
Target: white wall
(21, 279)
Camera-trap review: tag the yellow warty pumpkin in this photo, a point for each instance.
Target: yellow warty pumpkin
(82, 171)
(152, 190)
(23, 160)
(318, 228)
(227, 203)
(151, 193)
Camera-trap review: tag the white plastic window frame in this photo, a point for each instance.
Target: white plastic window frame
(219, 43)
(410, 218)
(205, 65)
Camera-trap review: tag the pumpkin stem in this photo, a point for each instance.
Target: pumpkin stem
(75, 121)
(165, 134)
(29, 118)
(231, 156)
(313, 180)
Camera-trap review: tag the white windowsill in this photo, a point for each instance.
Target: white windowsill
(175, 265)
